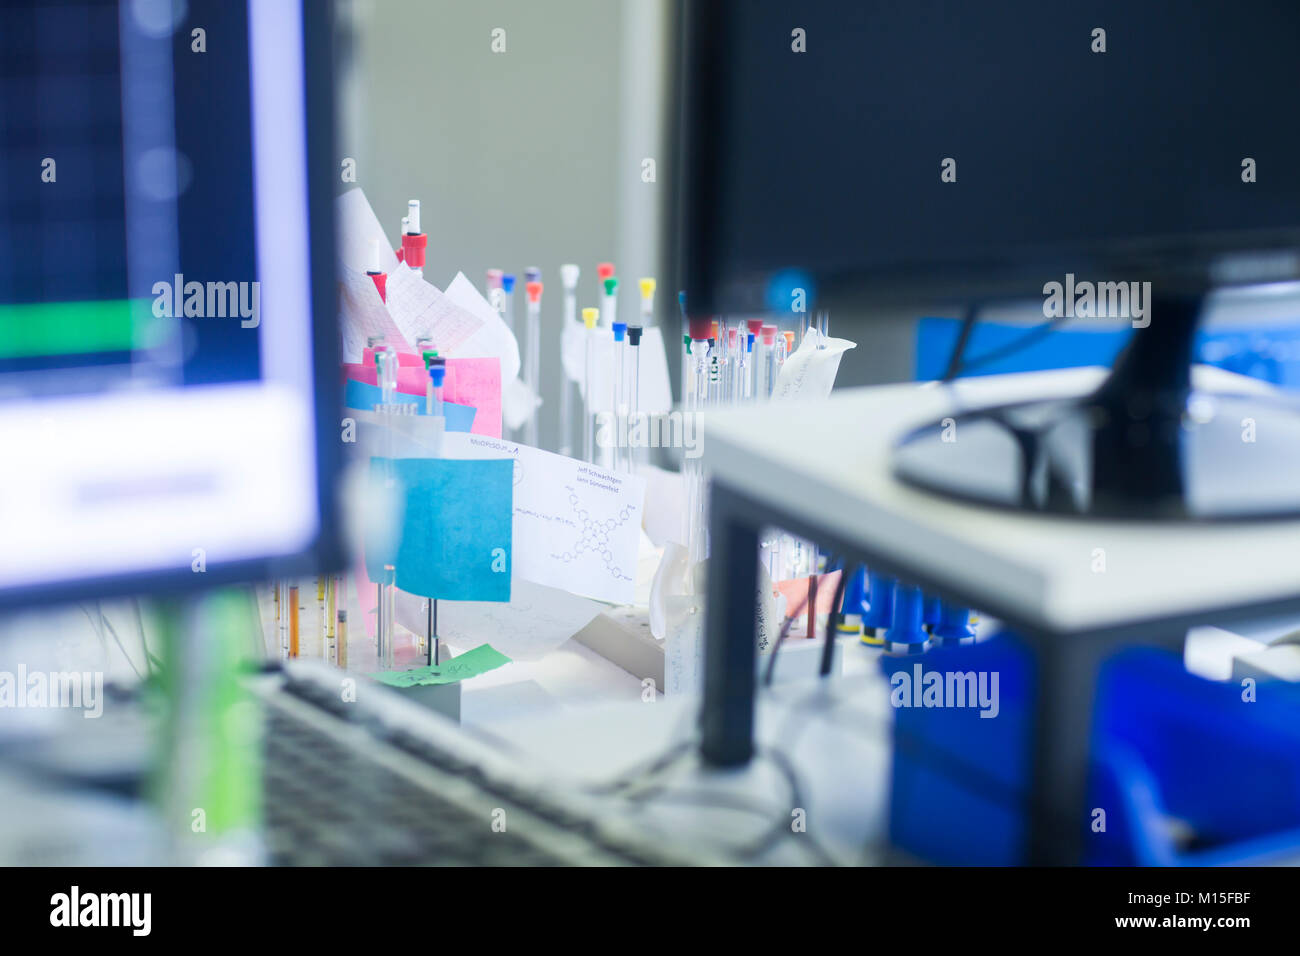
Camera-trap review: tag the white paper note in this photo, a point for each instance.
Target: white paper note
(362, 313)
(654, 391)
(573, 350)
(683, 616)
(394, 436)
(769, 612)
(419, 309)
(576, 527)
(810, 371)
(571, 354)
(358, 229)
(493, 338)
(536, 620)
(684, 645)
(665, 503)
(518, 402)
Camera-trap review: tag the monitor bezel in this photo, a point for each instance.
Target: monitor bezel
(324, 553)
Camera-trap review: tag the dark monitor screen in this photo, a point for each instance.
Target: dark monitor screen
(965, 149)
(122, 132)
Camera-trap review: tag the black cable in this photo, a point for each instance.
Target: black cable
(99, 633)
(791, 618)
(787, 767)
(963, 339)
(646, 771)
(661, 794)
(785, 629)
(120, 646)
(796, 723)
(780, 639)
(833, 619)
(979, 781)
(139, 623)
(655, 764)
(938, 760)
(1015, 345)
(958, 365)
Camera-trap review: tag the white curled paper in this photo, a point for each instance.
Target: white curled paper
(810, 371)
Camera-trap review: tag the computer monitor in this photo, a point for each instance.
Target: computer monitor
(168, 355)
(946, 153)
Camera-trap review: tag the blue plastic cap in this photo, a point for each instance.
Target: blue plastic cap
(508, 283)
(620, 329)
(855, 593)
(437, 373)
(953, 623)
(908, 626)
(933, 609)
(532, 274)
(880, 601)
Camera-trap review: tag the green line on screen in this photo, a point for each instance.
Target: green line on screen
(66, 328)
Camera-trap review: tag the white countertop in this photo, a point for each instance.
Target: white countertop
(828, 463)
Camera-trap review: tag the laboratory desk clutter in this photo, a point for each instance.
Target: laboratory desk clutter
(465, 532)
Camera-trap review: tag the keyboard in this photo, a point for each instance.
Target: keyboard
(383, 781)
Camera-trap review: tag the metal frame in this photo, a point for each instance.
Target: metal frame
(1065, 667)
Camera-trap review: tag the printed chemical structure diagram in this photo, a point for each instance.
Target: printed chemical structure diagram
(594, 536)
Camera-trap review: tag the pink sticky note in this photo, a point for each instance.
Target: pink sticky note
(415, 381)
(367, 597)
(470, 381)
(405, 652)
(410, 381)
(360, 372)
(477, 382)
(796, 592)
(404, 359)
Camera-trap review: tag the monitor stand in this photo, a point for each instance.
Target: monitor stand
(1145, 445)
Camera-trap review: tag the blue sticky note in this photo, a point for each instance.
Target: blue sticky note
(454, 535)
(362, 395)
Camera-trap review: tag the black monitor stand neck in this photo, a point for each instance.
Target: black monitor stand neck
(1137, 442)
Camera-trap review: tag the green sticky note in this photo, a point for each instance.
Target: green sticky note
(482, 659)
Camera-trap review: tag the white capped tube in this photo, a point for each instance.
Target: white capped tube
(376, 264)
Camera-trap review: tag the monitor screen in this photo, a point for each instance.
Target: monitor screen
(165, 309)
(942, 146)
